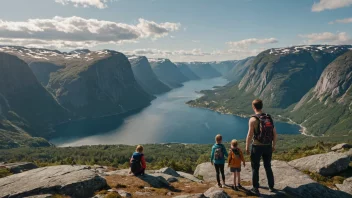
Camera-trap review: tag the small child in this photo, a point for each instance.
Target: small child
(137, 162)
(234, 160)
(218, 153)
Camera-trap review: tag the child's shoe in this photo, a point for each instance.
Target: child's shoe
(239, 186)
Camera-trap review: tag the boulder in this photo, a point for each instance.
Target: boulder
(288, 180)
(341, 146)
(349, 154)
(74, 181)
(155, 181)
(199, 195)
(19, 167)
(215, 192)
(168, 178)
(41, 196)
(124, 193)
(168, 171)
(327, 164)
(189, 177)
(346, 186)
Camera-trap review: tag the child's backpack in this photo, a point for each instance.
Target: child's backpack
(136, 164)
(219, 153)
(265, 134)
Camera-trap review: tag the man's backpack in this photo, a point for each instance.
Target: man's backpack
(265, 132)
(136, 164)
(219, 153)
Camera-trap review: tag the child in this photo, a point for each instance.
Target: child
(137, 162)
(234, 160)
(218, 154)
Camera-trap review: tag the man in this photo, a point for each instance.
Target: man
(263, 135)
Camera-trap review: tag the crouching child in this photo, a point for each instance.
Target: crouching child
(137, 162)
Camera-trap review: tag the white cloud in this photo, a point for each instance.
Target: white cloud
(85, 3)
(347, 20)
(252, 41)
(330, 5)
(327, 38)
(75, 31)
(167, 53)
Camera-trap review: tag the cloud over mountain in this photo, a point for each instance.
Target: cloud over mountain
(78, 31)
(327, 38)
(252, 41)
(330, 5)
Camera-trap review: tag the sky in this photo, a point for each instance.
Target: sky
(181, 30)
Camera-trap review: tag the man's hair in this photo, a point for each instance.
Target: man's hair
(139, 148)
(257, 104)
(218, 138)
(234, 143)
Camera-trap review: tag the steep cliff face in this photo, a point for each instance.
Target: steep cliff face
(204, 70)
(239, 69)
(327, 108)
(145, 76)
(223, 66)
(86, 83)
(25, 97)
(283, 76)
(186, 71)
(103, 86)
(168, 72)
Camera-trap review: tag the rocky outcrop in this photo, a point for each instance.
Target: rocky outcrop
(145, 76)
(216, 193)
(283, 76)
(325, 164)
(168, 72)
(168, 171)
(203, 70)
(189, 177)
(74, 181)
(19, 167)
(288, 180)
(186, 71)
(341, 146)
(346, 186)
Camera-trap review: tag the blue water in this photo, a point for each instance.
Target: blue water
(167, 119)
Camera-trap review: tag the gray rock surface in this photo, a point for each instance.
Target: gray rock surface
(341, 146)
(325, 164)
(288, 180)
(75, 181)
(346, 186)
(168, 171)
(215, 192)
(19, 167)
(41, 196)
(167, 177)
(199, 195)
(189, 177)
(155, 181)
(349, 153)
(124, 193)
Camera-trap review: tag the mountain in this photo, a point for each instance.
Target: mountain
(88, 84)
(327, 108)
(168, 72)
(145, 76)
(223, 66)
(26, 107)
(203, 70)
(186, 71)
(283, 76)
(239, 69)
